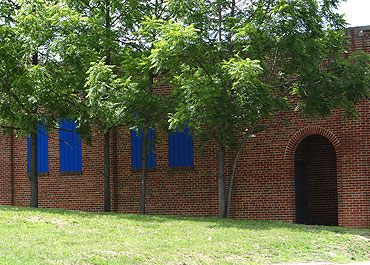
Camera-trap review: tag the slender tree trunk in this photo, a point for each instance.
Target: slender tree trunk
(229, 38)
(34, 183)
(114, 170)
(232, 175)
(144, 156)
(221, 181)
(12, 165)
(107, 206)
(108, 32)
(219, 22)
(144, 153)
(107, 203)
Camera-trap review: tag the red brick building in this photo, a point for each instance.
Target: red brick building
(314, 172)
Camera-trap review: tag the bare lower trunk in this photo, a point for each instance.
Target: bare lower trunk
(107, 207)
(144, 156)
(114, 170)
(34, 183)
(221, 181)
(232, 176)
(12, 165)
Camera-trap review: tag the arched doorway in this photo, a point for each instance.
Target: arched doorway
(316, 181)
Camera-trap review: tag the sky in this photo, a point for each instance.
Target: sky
(357, 12)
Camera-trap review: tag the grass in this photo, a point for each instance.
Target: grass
(48, 236)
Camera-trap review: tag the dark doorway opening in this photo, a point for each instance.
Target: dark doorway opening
(316, 182)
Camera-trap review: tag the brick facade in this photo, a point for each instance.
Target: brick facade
(337, 151)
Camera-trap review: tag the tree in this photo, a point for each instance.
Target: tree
(123, 93)
(235, 63)
(103, 36)
(145, 110)
(33, 76)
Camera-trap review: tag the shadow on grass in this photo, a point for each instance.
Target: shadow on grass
(211, 222)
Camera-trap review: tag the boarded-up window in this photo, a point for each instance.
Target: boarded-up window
(136, 149)
(42, 151)
(70, 147)
(180, 149)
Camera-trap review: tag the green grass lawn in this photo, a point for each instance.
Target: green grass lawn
(45, 236)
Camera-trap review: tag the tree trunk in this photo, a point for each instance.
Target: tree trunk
(107, 204)
(219, 21)
(229, 38)
(107, 207)
(12, 166)
(34, 183)
(232, 175)
(108, 34)
(221, 181)
(114, 170)
(144, 152)
(144, 156)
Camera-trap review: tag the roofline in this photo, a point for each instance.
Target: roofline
(361, 28)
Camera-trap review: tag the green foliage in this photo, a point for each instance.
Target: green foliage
(120, 92)
(103, 96)
(7, 9)
(234, 63)
(38, 86)
(33, 82)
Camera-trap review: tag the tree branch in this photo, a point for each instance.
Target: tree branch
(204, 69)
(14, 96)
(53, 138)
(9, 127)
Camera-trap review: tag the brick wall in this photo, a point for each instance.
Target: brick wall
(61, 190)
(264, 183)
(6, 172)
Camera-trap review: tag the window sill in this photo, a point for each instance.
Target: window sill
(41, 174)
(70, 173)
(182, 168)
(137, 170)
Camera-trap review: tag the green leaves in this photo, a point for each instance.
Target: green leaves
(104, 95)
(234, 64)
(36, 82)
(175, 42)
(120, 87)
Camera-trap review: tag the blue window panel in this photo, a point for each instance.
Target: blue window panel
(69, 147)
(180, 149)
(42, 151)
(136, 149)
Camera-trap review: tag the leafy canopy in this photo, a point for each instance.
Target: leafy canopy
(35, 81)
(235, 63)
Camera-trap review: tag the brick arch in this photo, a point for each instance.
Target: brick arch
(303, 133)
